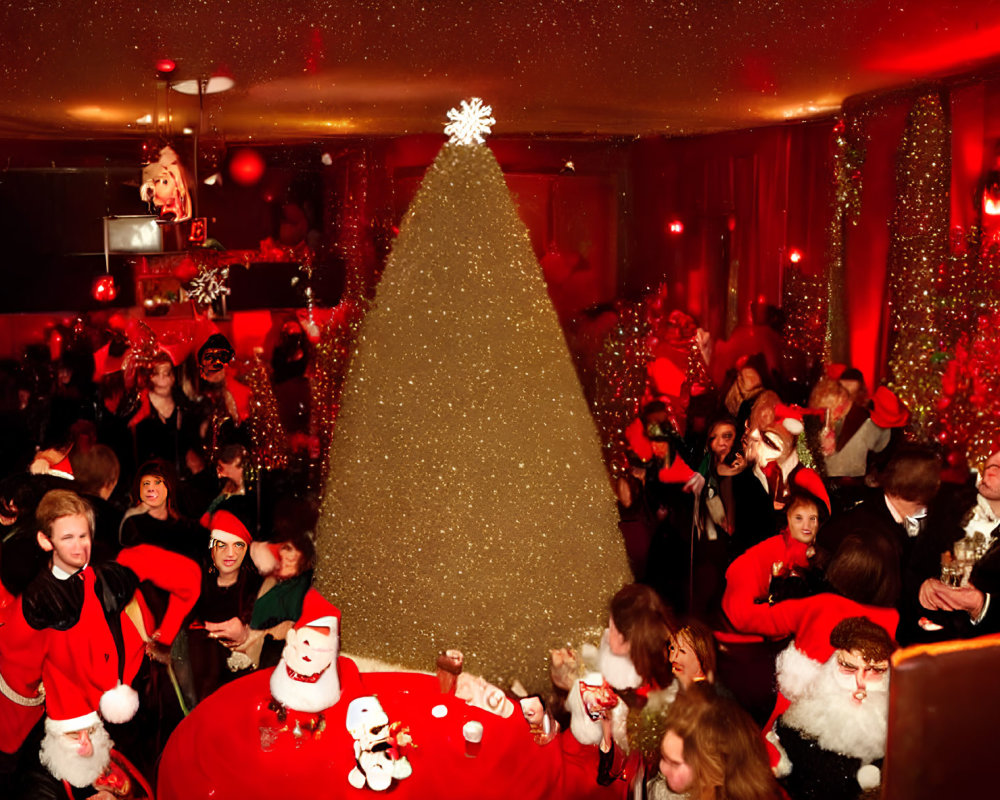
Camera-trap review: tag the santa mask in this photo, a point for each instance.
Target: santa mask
(860, 677)
(308, 651)
(79, 757)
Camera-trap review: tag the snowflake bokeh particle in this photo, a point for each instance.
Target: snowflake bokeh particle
(470, 124)
(209, 285)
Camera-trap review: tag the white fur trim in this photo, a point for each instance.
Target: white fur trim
(784, 765)
(792, 425)
(869, 776)
(795, 671)
(619, 671)
(70, 725)
(225, 537)
(119, 704)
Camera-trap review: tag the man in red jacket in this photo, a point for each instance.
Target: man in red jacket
(85, 630)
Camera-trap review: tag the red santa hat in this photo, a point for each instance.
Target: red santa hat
(888, 410)
(226, 527)
(318, 612)
(808, 480)
(638, 442)
(791, 417)
(834, 371)
(66, 705)
(69, 710)
(666, 376)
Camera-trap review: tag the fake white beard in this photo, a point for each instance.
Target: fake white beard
(617, 670)
(59, 755)
(827, 713)
(302, 696)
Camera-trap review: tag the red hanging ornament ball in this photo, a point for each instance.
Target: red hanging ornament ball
(186, 270)
(246, 166)
(104, 289)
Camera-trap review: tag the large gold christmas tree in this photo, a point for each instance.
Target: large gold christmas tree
(467, 504)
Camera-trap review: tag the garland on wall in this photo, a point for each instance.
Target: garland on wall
(848, 159)
(968, 284)
(918, 245)
(621, 381)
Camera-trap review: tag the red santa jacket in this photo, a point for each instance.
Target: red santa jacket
(21, 672)
(749, 576)
(94, 639)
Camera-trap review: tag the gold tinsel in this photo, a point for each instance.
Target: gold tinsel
(621, 381)
(919, 241)
(333, 354)
(969, 292)
(268, 440)
(848, 158)
(467, 505)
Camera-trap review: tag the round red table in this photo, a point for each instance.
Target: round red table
(216, 751)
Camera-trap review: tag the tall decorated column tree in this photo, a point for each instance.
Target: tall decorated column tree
(467, 505)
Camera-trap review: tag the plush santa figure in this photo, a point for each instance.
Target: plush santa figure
(306, 681)
(831, 739)
(376, 750)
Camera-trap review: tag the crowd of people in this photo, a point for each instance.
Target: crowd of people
(810, 540)
(141, 569)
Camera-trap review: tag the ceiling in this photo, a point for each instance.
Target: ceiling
(307, 69)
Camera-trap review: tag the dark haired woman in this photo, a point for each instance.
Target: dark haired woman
(154, 518)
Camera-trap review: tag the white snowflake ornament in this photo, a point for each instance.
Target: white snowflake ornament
(471, 123)
(208, 285)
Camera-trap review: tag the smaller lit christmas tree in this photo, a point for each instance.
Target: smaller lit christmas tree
(621, 381)
(268, 440)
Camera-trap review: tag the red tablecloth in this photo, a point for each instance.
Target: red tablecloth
(216, 751)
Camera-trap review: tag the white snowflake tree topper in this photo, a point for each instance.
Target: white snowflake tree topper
(209, 285)
(471, 123)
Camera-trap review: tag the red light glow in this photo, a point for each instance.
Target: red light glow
(166, 65)
(104, 289)
(795, 255)
(246, 167)
(676, 226)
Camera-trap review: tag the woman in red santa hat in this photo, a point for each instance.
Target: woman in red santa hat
(220, 620)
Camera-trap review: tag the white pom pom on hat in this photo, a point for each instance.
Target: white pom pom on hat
(869, 776)
(119, 704)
